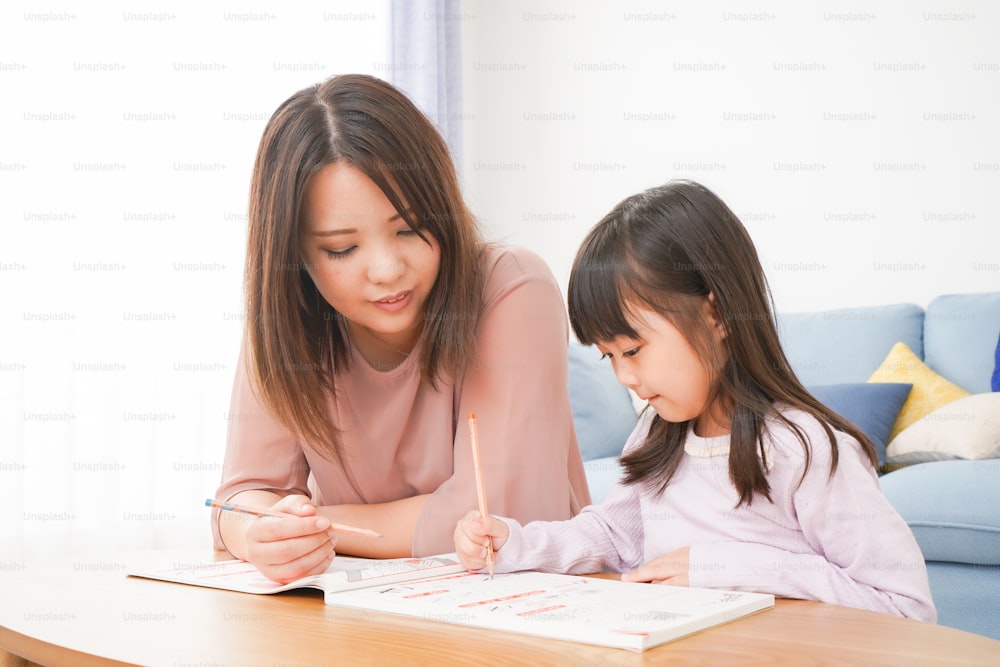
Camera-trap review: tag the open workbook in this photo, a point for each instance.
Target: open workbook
(605, 612)
(345, 573)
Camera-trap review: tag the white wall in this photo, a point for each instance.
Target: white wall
(126, 141)
(127, 135)
(859, 142)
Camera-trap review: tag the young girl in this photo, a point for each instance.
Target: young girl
(735, 477)
(376, 320)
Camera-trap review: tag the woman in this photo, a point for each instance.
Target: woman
(377, 320)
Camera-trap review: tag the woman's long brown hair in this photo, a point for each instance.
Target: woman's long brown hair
(668, 249)
(295, 340)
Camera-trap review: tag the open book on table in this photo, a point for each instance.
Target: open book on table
(605, 612)
(345, 573)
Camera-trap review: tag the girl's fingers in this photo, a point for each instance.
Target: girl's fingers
(468, 544)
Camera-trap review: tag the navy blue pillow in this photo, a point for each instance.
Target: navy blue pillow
(871, 406)
(995, 383)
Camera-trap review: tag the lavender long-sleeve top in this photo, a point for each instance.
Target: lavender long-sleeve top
(834, 539)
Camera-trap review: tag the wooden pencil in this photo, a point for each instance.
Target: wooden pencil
(483, 512)
(260, 511)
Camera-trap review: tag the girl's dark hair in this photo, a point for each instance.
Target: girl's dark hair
(295, 342)
(667, 249)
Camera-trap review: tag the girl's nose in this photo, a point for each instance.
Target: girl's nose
(626, 377)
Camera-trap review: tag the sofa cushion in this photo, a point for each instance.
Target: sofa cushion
(603, 413)
(951, 507)
(848, 344)
(967, 428)
(960, 338)
(602, 475)
(870, 406)
(930, 390)
(966, 596)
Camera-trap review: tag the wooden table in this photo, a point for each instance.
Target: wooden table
(87, 612)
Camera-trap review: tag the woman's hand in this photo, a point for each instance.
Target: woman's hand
(473, 533)
(670, 569)
(288, 549)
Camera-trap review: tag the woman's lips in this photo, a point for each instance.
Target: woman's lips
(395, 302)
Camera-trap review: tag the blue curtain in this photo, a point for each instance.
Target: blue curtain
(426, 62)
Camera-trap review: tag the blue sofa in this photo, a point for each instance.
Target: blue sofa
(952, 506)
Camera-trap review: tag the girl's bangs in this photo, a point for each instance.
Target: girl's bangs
(599, 296)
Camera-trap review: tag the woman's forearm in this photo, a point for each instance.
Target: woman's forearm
(396, 521)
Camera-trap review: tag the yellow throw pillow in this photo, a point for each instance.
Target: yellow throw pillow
(930, 390)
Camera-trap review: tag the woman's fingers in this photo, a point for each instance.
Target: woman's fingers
(285, 560)
(272, 529)
(287, 548)
(308, 563)
(295, 504)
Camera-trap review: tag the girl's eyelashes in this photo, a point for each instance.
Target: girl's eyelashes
(627, 353)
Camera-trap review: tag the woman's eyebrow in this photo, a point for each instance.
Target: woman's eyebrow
(335, 232)
(353, 230)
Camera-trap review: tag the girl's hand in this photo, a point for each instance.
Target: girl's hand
(670, 569)
(288, 549)
(471, 536)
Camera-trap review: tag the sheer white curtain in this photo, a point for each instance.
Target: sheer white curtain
(427, 62)
(126, 144)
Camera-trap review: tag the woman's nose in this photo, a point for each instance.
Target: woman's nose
(385, 267)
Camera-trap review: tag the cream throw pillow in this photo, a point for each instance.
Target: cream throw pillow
(967, 428)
